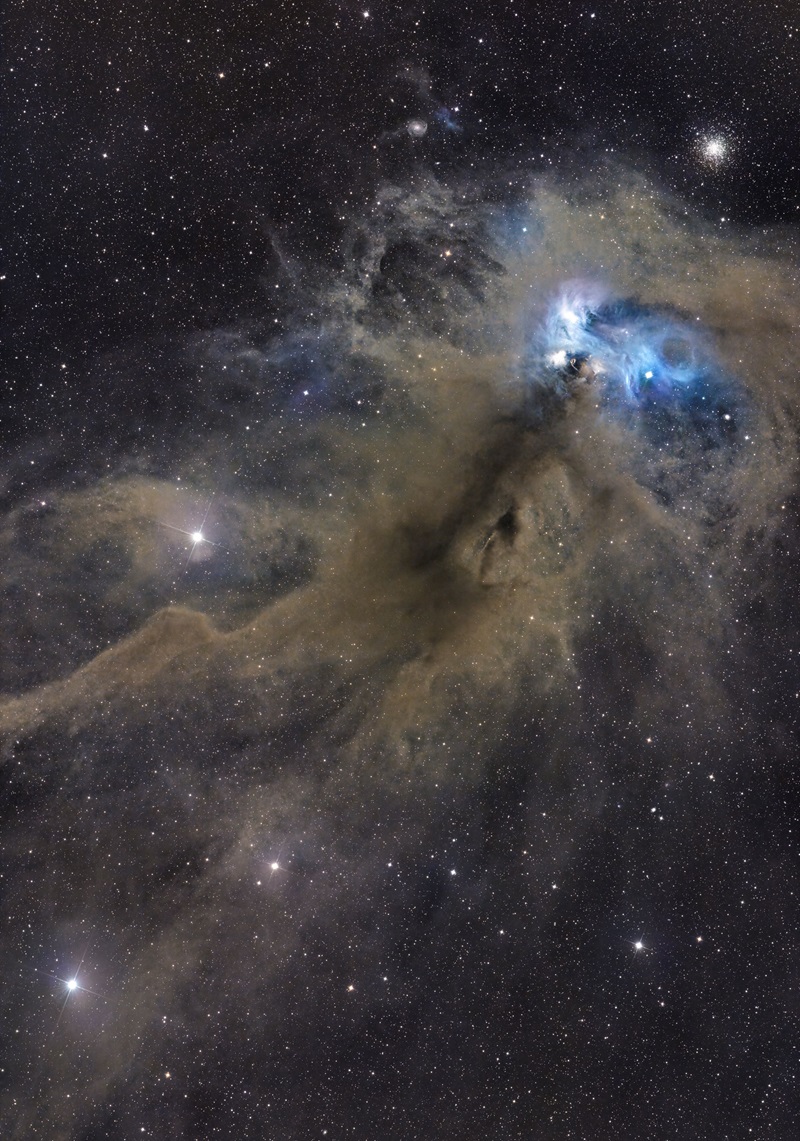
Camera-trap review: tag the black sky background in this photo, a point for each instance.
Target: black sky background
(528, 882)
(175, 226)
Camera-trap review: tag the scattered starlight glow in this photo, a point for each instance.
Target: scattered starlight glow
(196, 536)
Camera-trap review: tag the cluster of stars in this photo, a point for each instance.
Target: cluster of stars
(714, 150)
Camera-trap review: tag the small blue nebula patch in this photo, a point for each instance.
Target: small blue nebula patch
(447, 119)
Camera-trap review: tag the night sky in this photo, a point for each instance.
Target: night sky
(399, 555)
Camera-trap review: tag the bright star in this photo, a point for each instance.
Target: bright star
(197, 536)
(275, 866)
(72, 984)
(638, 945)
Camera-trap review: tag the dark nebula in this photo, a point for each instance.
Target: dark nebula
(399, 635)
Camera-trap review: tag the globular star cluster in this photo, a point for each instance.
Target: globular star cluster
(714, 150)
(398, 723)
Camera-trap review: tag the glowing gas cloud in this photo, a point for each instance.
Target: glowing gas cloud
(487, 515)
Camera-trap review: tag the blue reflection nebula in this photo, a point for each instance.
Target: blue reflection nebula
(629, 346)
(640, 359)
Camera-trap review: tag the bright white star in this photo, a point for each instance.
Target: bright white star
(72, 984)
(197, 536)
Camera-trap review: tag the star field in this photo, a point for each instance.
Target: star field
(399, 534)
